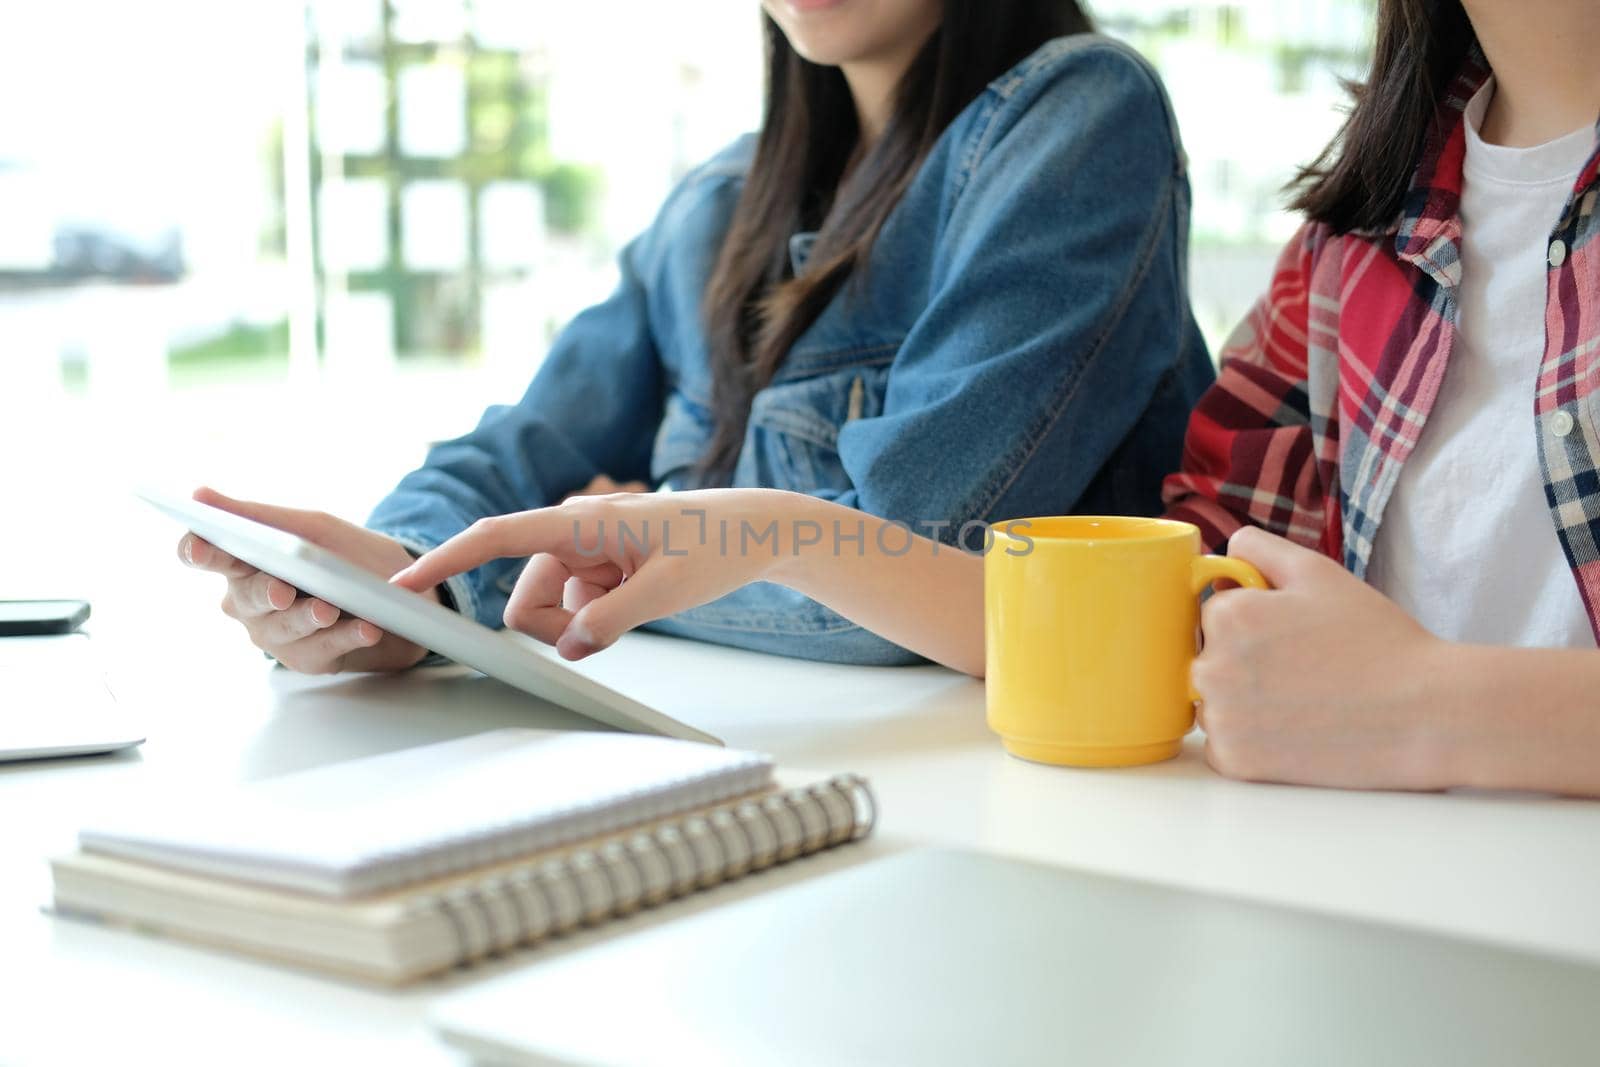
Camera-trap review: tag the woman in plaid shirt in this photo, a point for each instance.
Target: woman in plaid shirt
(1431, 539)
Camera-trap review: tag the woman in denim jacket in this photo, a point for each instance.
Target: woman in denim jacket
(944, 284)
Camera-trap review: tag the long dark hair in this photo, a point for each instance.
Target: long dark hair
(1360, 180)
(755, 308)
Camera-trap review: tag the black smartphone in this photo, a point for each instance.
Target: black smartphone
(20, 618)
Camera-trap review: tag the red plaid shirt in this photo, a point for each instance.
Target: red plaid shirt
(1326, 386)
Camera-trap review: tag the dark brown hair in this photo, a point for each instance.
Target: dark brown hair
(755, 308)
(1360, 180)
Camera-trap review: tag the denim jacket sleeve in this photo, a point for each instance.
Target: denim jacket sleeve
(1055, 307)
(592, 408)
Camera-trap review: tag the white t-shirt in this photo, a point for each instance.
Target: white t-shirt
(1466, 544)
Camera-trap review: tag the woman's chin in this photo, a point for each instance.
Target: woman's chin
(837, 33)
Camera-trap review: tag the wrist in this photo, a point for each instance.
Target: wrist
(803, 531)
(1473, 741)
(1445, 676)
(1520, 718)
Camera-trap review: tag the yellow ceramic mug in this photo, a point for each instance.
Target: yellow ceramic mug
(1089, 632)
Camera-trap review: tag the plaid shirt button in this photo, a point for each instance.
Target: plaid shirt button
(1561, 423)
(1558, 252)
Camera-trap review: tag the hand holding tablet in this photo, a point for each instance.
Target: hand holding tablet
(285, 567)
(305, 633)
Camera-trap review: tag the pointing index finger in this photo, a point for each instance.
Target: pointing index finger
(503, 536)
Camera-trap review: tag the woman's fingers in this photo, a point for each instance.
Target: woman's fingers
(305, 617)
(649, 594)
(580, 593)
(391, 653)
(304, 633)
(535, 607)
(256, 595)
(311, 525)
(325, 652)
(525, 533)
(544, 599)
(202, 555)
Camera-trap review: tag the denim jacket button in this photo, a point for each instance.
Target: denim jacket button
(1561, 423)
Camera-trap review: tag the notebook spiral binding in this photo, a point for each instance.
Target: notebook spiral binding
(526, 905)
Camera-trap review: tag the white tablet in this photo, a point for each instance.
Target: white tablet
(319, 573)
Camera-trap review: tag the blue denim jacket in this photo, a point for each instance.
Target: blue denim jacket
(1019, 343)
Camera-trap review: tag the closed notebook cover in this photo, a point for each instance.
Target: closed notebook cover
(429, 926)
(372, 824)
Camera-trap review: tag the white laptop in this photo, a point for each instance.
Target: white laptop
(320, 573)
(54, 701)
(933, 958)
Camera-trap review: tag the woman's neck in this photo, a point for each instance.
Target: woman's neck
(1546, 81)
(873, 89)
(875, 84)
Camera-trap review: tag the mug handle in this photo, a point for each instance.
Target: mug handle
(1207, 569)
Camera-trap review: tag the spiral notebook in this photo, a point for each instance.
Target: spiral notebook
(394, 867)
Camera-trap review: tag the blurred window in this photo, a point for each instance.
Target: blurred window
(258, 191)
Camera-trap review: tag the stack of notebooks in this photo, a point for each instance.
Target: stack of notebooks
(398, 866)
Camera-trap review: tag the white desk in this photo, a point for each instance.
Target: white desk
(1519, 870)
